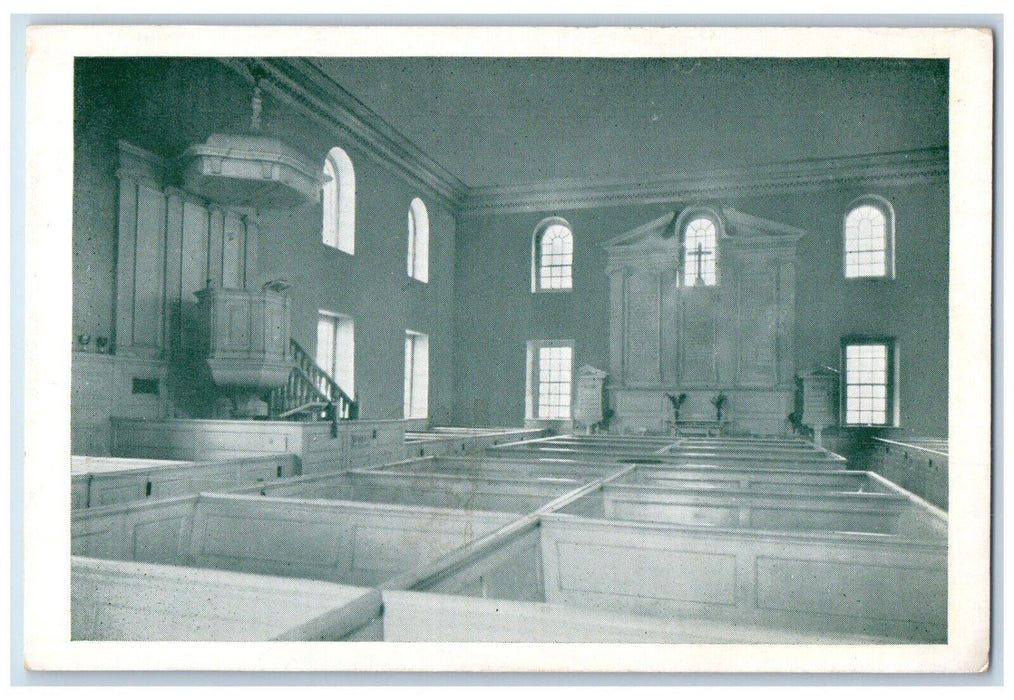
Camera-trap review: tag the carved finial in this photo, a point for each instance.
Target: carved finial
(258, 74)
(256, 106)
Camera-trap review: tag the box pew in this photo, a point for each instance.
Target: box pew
(357, 443)
(674, 443)
(523, 433)
(641, 444)
(917, 517)
(768, 453)
(124, 480)
(422, 616)
(778, 480)
(917, 464)
(647, 442)
(340, 541)
(426, 445)
(831, 512)
(718, 443)
(509, 570)
(142, 531)
(460, 491)
(129, 601)
(441, 441)
(740, 457)
(499, 596)
(547, 471)
(485, 492)
(826, 584)
(106, 481)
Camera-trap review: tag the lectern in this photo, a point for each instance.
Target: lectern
(820, 400)
(590, 382)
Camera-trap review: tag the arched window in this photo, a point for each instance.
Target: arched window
(339, 200)
(700, 250)
(552, 256)
(869, 238)
(418, 241)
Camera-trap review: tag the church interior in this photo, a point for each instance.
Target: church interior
(510, 349)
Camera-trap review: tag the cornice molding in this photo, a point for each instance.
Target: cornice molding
(305, 87)
(901, 168)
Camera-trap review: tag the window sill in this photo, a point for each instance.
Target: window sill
(559, 425)
(868, 426)
(335, 248)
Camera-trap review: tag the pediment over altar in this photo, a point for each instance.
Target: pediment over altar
(661, 238)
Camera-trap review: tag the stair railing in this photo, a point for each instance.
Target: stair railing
(310, 389)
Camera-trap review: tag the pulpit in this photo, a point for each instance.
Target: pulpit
(244, 338)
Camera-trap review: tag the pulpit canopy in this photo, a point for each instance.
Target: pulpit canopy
(251, 171)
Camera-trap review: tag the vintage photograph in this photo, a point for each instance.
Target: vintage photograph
(640, 349)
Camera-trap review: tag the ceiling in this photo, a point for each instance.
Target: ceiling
(496, 122)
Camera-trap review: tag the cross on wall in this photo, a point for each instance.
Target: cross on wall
(699, 254)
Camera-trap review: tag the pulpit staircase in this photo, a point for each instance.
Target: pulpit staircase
(310, 393)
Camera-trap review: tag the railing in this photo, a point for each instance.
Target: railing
(312, 392)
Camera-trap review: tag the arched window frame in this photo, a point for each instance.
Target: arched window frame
(539, 263)
(338, 202)
(418, 240)
(851, 267)
(688, 277)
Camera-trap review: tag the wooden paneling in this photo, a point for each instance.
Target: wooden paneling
(233, 251)
(339, 541)
(194, 268)
(91, 403)
(923, 470)
(733, 337)
(757, 296)
(148, 269)
(512, 571)
(733, 507)
(698, 363)
(412, 616)
(617, 305)
(358, 443)
(150, 532)
(171, 314)
(452, 491)
(216, 228)
(735, 575)
(103, 386)
(126, 256)
(641, 330)
(170, 244)
(119, 481)
(622, 451)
